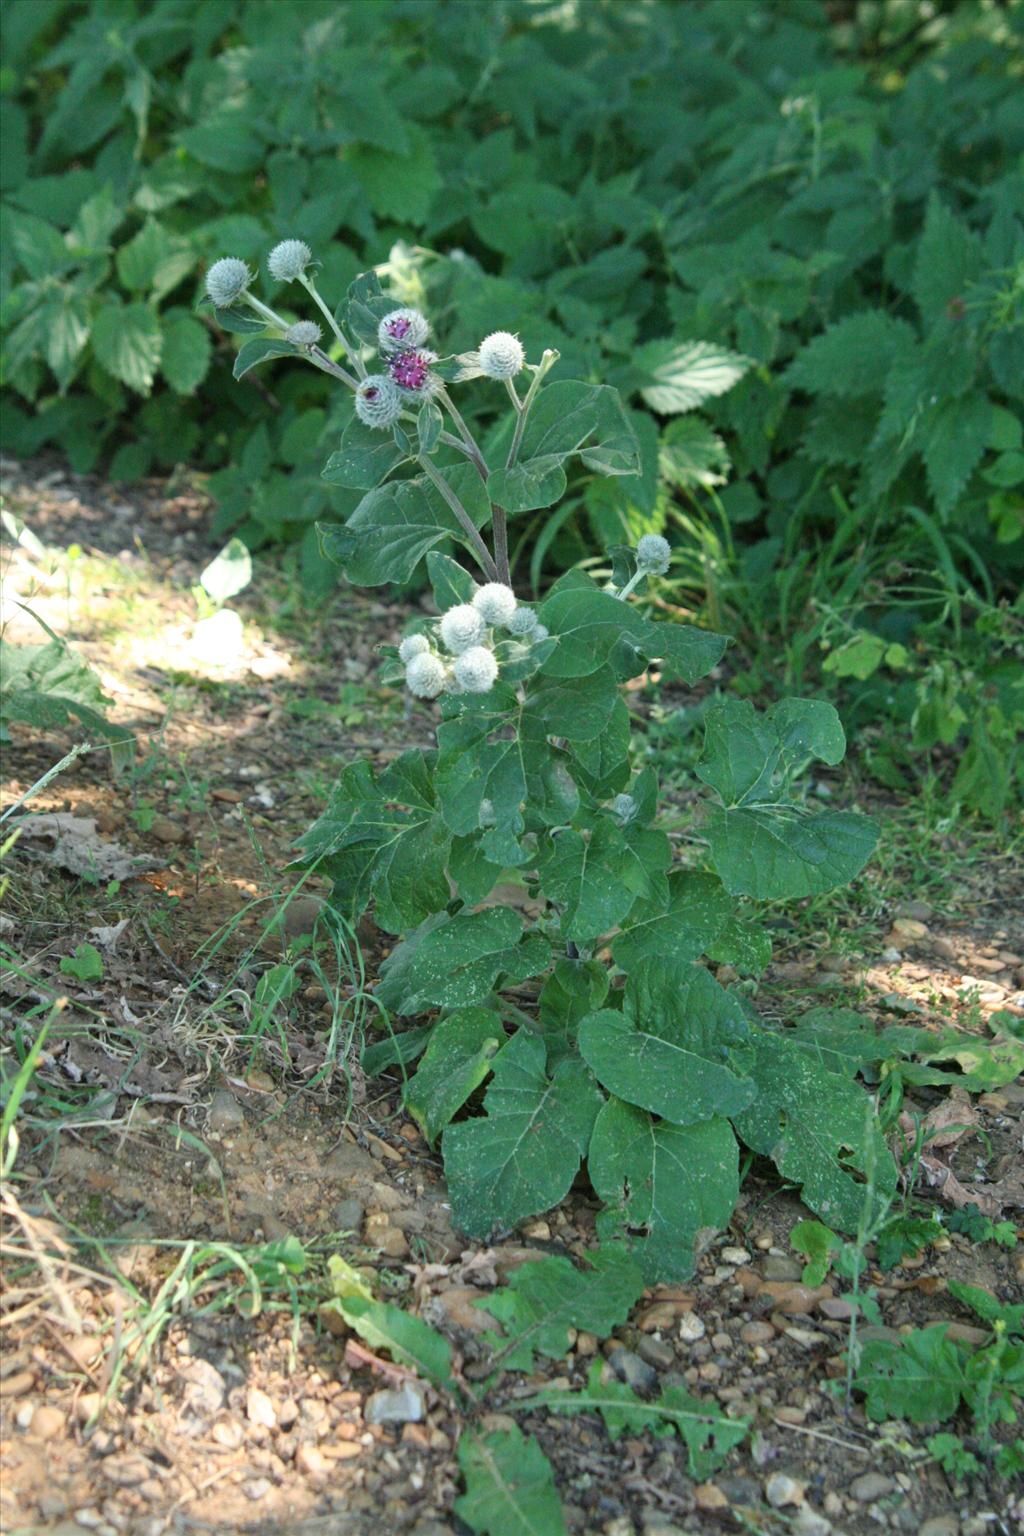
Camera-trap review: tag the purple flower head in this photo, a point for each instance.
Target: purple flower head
(411, 370)
(402, 330)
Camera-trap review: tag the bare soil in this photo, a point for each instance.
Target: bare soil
(187, 1118)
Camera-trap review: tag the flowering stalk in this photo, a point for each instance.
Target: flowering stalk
(499, 520)
(466, 523)
(351, 352)
(548, 361)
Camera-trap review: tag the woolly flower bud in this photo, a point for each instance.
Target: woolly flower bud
(522, 622)
(289, 260)
(425, 675)
(304, 333)
(461, 628)
(227, 280)
(402, 329)
(624, 807)
(476, 669)
(411, 370)
(652, 553)
(501, 355)
(378, 402)
(540, 632)
(413, 645)
(495, 602)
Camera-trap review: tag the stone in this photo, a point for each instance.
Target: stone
(781, 1490)
(256, 1488)
(259, 1409)
(920, 911)
(793, 1299)
(778, 1268)
(691, 1328)
(656, 1352)
(757, 1333)
(807, 1522)
(403, 1405)
(225, 1114)
(735, 1256)
(708, 1497)
(870, 1486)
(348, 1215)
(312, 1462)
(17, 1383)
(586, 1343)
(48, 1422)
(288, 1413)
(940, 1525)
(891, 955)
(628, 1367)
(127, 1471)
(909, 930)
(228, 1433)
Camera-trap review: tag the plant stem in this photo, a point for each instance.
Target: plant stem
(264, 311)
(470, 442)
(637, 576)
(499, 517)
(466, 523)
(319, 359)
(353, 355)
(548, 360)
(513, 395)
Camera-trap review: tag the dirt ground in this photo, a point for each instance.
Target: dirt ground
(194, 1111)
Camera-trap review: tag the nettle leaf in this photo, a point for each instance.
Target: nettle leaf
(820, 1129)
(127, 341)
(853, 357)
(395, 525)
(691, 455)
(679, 376)
(185, 360)
(568, 418)
(762, 844)
(460, 1055)
(663, 1184)
(510, 1487)
(920, 1379)
(407, 1339)
(543, 1300)
(677, 1046)
(365, 458)
(589, 624)
(949, 262)
(384, 841)
(683, 927)
(708, 1434)
(523, 1154)
(955, 437)
(458, 961)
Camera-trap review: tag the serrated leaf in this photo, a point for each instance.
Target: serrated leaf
(708, 1434)
(510, 1487)
(398, 186)
(365, 458)
(185, 359)
(920, 1379)
(457, 1060)
(568, 418)
(459, 961)
(408, 1340)
(395, 525)
(679, 376)
(948, 262)
(853, 357)
(543, 1300)
(821, 1130)
(677, 1046)
(955, 435)
(691, 455)
(226, 142)
(663, 1185)
(127, 341)
(523, 1154)
(154, 261)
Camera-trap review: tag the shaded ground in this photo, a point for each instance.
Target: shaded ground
(186, 1097)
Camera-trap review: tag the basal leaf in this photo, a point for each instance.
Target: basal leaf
(459, 961)
(523, 1154)
(663, 1185)
(777, 851)
(510, 1487)
(920, 1379)
(684, 927)
(677, 1047)
(821, 1130)
(457, 1060)
(408, 1340)
(543, 1300)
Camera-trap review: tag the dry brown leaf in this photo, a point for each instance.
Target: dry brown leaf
(77, 846)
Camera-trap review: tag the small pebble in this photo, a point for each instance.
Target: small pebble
(807, 1522)
(256, 1488)
(401, 1406)
(312, 1462)
(781, 1490)
(735, 1256)
(782, 1268)
(225, 1113)
(259, 1409)
(757, 1333)
(636, 1373)
(691, 1328)
(656, 1352)
(870, 1486)
(940, 1525)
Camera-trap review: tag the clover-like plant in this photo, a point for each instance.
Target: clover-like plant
(585, 1004)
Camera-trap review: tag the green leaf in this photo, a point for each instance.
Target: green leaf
(481, 760)
(851, 358)
(567, 418)
(260, 349)
(127, 341)
(46, 685)
(817, 1243)
(691, 456)
(955, 436)
(365, 458)
(589, 624)
(185, 360)
(543, 1300)
(459, 961)
(707, 1433)
(523, 1154)
(574, 989)
(450, 583)
(948, 263)
(677, 1047)
(697, 912)
(987, 1307)
(67, 331)
(225, 142)
(664, 1185)
(460, 1055)
(154, 261)
(228, 573)
(510, 1487)
(593, 878)
(398, 186)
(679, 376)
(820, 1130)
(920, 1379)
(408, 1340)
(38, 245)
(395, 525)
(86, 964)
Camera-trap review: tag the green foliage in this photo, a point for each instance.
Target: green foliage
(510, 1488)
(542, 1300)
(48, 685)
(86, 964)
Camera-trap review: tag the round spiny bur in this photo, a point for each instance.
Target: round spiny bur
(411, 371)
(413, 645)
(289, 260)
(523, 622)
(501, 355)
(425, 675)
(653, 553)
(378, 402)
(461, 628)
(401, 330)
(476, 669)
(227, 280)
(496, 602)
(304, 333)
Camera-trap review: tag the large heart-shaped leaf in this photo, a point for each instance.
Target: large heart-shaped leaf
(590, 624)
(460, 1055)
(458, 960)
(395, 525)
(684, 927)
(568, 418)
(364, 459)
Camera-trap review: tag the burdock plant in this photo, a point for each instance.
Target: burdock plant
(586, 1005)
